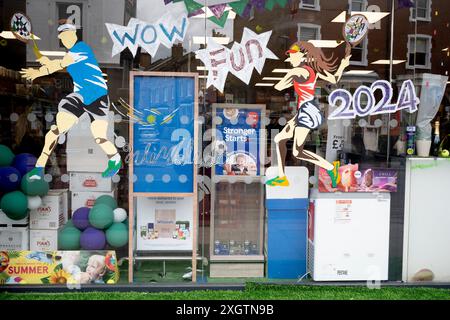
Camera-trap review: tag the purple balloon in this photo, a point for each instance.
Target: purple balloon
(24, 162)
(92, 239)
(10, 179)
(80, 218)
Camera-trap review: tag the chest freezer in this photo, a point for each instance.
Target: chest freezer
(348, 236)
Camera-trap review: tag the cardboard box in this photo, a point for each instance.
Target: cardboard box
(90, 181)
(7, 222)
(65, 196)
(52, 214)
(43, 240)
(87, 199)
(83, 154)
(14, 239)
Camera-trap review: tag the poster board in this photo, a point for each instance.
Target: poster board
(238, 130)
(163, 140)
(164, 224)
(58, 267)
(238, 133)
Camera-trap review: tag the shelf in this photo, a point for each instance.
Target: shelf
(240, 258)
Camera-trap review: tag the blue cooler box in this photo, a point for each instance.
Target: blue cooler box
(286, 238)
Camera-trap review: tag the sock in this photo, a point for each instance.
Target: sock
(115, 158)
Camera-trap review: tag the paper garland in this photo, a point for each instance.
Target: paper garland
(218, 8)
(149, 36)
(240, 60)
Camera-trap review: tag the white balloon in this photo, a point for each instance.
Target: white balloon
(34, 202)
(120, 215)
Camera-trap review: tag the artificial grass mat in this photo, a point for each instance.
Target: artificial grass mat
(253, 292)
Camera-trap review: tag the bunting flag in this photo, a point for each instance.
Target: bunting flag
(242, 8)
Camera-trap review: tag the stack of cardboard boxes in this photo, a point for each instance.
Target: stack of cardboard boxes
(39, 230)
(14, 234)
(47, 219)
(85, 163)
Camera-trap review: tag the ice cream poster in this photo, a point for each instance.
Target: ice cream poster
(237, 143)
(58, 267)
(353, 179)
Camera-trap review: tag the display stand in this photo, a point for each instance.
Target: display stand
(162, 161)
(427, 220)
(287, 212)
(237, 200)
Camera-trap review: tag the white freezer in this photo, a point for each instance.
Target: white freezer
(348, 236)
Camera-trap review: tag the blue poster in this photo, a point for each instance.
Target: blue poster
(238, 136)
(163, 145)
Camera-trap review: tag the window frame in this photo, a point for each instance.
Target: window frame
(410, 50)
(364, 62)
(311, 26)
(364, 4)
(316, 6)
(427, 18)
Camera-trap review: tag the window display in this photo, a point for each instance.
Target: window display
(138, 132)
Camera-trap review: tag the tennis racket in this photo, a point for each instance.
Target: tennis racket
(355, 29)
(21, 28)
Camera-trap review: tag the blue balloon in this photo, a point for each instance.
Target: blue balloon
(10, 179)
(24, 162)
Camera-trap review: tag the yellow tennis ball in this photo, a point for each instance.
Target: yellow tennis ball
(110, 281)
(445, 153)
(151, 119)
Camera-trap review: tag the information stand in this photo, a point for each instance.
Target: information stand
(162, 162)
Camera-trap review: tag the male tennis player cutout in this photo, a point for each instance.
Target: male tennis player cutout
(90, 94)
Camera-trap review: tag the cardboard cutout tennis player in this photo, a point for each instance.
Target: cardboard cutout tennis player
(90, 95)
(310, 64)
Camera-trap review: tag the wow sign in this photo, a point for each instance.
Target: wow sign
(351, 105)
(149, 36)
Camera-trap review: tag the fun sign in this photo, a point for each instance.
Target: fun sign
(240, 60)
(149, 36)
(351, 105)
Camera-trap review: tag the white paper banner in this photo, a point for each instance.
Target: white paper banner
(149, 36)
(431, 94)
(240, 60)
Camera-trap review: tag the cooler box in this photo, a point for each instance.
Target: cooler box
(287, 211)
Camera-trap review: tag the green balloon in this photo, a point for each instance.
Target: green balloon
(108, 200)
(117, 235)
(34, 187)
(69, 223)
(6, 156)
(69, 238)
(101, 216)
(15, 205)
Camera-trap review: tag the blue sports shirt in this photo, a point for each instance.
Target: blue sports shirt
(86, 74)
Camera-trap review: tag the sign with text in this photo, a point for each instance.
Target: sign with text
(238, 140)
(58, 267)
(349, 106)
(164, 224)
(149, 36)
